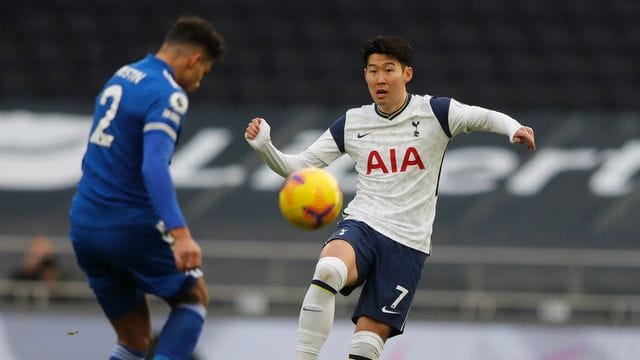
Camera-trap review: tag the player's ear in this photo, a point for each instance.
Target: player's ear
(408, 74)
(194, 58)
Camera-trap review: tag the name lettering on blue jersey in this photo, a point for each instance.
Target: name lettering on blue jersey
(130, 74)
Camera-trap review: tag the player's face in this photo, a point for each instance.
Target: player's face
(196, 67)
(386, 79)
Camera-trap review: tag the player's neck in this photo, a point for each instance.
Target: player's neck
(166, 57)
(391, 108)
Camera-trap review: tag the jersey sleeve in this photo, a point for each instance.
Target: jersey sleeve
(167, 114)
(158, 150)
(319, 154)
(465, 118)
(326, 148)
(322, 152)
(162, 125)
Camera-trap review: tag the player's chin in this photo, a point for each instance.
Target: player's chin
(380, 101)
(191, 86)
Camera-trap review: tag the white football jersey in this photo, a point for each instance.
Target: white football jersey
(397, 157)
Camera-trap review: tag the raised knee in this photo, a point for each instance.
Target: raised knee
(366, 345)
(331, 271)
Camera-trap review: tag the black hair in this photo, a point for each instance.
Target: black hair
(193, 30)
(391, 45)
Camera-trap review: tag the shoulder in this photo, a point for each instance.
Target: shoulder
(432, 103)
(160, 96)
(163, 91)
(362, 111)
(438, 107)
(435, 105)
(152, 75)
(177, 100)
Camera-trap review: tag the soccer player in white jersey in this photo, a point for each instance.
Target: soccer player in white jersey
(398, 144)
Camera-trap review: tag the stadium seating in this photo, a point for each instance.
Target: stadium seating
(516, 55)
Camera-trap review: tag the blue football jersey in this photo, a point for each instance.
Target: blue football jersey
(140, 99)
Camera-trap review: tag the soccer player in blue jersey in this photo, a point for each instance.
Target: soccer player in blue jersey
(398, 145)
(127, 230)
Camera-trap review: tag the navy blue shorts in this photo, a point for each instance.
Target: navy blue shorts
(389, 271)
(123, 264)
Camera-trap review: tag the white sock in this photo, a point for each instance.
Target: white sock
(121, 352)
(318, 307)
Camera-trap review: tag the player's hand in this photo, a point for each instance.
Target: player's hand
(186, 251)
(258, 132)
(524, 135)
(253, 128)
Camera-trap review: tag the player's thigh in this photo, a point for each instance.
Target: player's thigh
(365, 323)
(134, 328)
(351, 242)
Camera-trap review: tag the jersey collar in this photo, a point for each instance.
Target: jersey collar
(153, 60)
(394, 114)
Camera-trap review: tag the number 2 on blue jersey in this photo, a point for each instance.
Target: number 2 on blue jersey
(98, 135)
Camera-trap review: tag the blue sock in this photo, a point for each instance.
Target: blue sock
(121, 352)
(181, 332)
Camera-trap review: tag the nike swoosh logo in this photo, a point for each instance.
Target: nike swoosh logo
(360, 136)
(309, 309)
(387, 311)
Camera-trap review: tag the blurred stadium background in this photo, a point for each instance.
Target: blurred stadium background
(542, 247)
